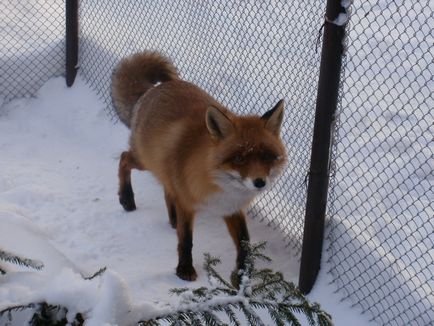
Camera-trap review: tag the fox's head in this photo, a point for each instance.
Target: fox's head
(248, 154)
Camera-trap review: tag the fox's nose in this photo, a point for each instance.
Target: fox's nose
(259, 183)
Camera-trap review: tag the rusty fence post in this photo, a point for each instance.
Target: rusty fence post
(327, 100)
(71, 36)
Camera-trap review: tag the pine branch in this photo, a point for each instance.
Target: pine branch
(211, 319)
(151, 322)
(49, 315)
(275, 281)
(15, 259)
(178, 291)
(96, 274)
(17, 308)
(259, 289)
(251, 316)
(212, 274)
(45, 314)
(195, 320)
(232, 316)
(289, 316)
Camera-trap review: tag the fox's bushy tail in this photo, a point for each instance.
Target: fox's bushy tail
(136, 74)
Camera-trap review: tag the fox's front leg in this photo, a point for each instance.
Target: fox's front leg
(126, 194)
(237, 227)
(184, 228)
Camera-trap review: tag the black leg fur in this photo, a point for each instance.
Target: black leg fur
(185, 269)
(237, 227)
(126, 197)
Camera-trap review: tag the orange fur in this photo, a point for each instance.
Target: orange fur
(188, 141)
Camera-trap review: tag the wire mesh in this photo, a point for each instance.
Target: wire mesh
(381, 230)
(246, 54)
(32, 45)
(250, 54)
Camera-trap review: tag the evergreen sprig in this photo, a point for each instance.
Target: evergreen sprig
(15, 259)
(44, 314)
(257, 290)
(97, 273)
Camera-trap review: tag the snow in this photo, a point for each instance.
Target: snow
(341, 19)
(58, 204)
(346, 3)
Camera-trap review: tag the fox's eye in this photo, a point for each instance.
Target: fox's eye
(268, 156)
(238, 159)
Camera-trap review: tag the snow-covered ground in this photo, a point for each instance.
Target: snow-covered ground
(58, 204)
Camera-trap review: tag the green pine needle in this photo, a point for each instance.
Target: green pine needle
(96, 274)
(259, 290)
(15, 259)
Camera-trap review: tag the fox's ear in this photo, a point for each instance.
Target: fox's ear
(274, 118)
(219, 125)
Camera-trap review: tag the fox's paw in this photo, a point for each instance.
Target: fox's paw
(128, 204)
(186, 272)
(126, 198)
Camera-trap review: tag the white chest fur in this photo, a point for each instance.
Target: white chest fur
(235, 195)
(223, 203)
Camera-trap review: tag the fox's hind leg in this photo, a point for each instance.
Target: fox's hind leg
(237, 227)
(126, 194)
(171, 209)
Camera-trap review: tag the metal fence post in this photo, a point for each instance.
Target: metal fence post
(71, 21)
(327, 98)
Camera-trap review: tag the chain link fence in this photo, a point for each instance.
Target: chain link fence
(381, 230)
(32, 45)
(247, 54)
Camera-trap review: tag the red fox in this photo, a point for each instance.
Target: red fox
(210, 161)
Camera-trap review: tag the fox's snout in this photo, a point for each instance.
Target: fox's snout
(259, 183)
(250, 184)
(256, 183)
